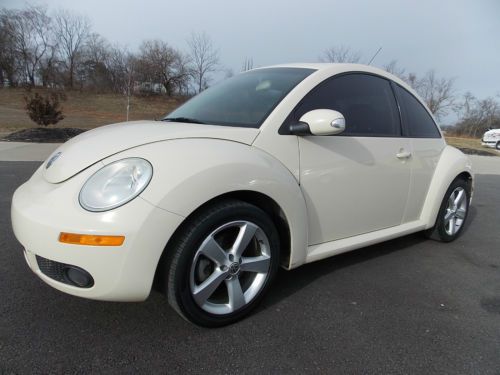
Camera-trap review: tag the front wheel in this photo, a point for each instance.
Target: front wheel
(222, 262)
(498, 146)
(452, 213)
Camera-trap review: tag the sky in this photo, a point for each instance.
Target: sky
(456, 38)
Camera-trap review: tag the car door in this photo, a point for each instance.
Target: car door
(426, 144)
(355, 182)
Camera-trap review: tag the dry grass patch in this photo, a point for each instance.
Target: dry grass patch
(85, 110)
(473, 144)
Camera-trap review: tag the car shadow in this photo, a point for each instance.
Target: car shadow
(288, 283)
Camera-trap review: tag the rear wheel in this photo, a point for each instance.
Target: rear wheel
(222, 263)
(498, 146)
(452, 213)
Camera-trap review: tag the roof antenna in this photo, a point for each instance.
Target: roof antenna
(376, 53)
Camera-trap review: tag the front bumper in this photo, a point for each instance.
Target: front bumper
(488, 143)
(41, 211)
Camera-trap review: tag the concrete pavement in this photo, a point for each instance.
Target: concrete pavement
(485, 164)
(26, 151)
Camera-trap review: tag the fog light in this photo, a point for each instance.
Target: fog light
(79, 277)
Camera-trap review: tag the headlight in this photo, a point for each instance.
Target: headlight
(115, 184)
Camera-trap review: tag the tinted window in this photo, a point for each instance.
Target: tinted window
(418, 123)
(244, 100)
(367, 103)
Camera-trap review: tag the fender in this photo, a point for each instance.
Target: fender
(189, 172)
(451, 163)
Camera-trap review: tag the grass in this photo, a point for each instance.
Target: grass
(84, 110)
(474, 144)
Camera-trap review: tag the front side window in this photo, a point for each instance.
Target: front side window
(366, 101)
(244, 100)
(418, 122)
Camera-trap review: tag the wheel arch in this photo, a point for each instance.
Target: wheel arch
(467, 177)
(258, 199)
(275, 212)
(451, 165)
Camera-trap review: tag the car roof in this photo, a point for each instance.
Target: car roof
(334, 68)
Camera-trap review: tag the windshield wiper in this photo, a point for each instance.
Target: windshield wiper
(183, 119)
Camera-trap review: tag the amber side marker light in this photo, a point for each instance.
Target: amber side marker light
(90, 239)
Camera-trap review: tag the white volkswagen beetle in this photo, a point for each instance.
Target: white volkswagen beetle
(283, 165)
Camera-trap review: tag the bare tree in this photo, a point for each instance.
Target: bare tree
(204, 58)
(29, 30)
(122, 67)
(160, 63)
(123, 70)
(50, 70)
(476, 116)
(340, 54)
(7, 53)
(71, 31)
(247, 64)
(393, 68)
(97, 63)
(438, 93)
(464, 107)
(97, 49)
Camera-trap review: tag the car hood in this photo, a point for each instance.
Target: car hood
(94, 145)
(492, 132)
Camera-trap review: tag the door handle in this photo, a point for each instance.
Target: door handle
(402, 154)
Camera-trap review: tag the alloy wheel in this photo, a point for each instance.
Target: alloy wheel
(456, 211)
(230, 267)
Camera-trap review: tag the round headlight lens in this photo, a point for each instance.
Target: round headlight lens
(115, 184)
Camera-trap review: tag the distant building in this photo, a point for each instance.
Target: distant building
(149, 87)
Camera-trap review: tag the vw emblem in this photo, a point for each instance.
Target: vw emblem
(234, 268)
(53, 159)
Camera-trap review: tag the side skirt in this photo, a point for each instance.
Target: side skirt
(328, 249)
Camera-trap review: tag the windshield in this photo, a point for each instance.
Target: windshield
(244, 100)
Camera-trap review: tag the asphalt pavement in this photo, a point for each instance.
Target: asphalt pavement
(409, 305)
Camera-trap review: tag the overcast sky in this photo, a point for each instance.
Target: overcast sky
(456, 38)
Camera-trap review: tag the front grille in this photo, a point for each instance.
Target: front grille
(59, 271)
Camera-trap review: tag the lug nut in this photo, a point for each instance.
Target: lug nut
(223, 268)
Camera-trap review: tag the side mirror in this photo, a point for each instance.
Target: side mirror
(319, 122)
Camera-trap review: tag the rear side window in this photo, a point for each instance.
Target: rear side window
(418, 122)
(366, 101)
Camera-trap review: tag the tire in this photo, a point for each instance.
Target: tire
(221, 263)
(497, 146)
(452, 213)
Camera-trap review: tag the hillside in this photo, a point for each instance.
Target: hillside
(84, 110)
